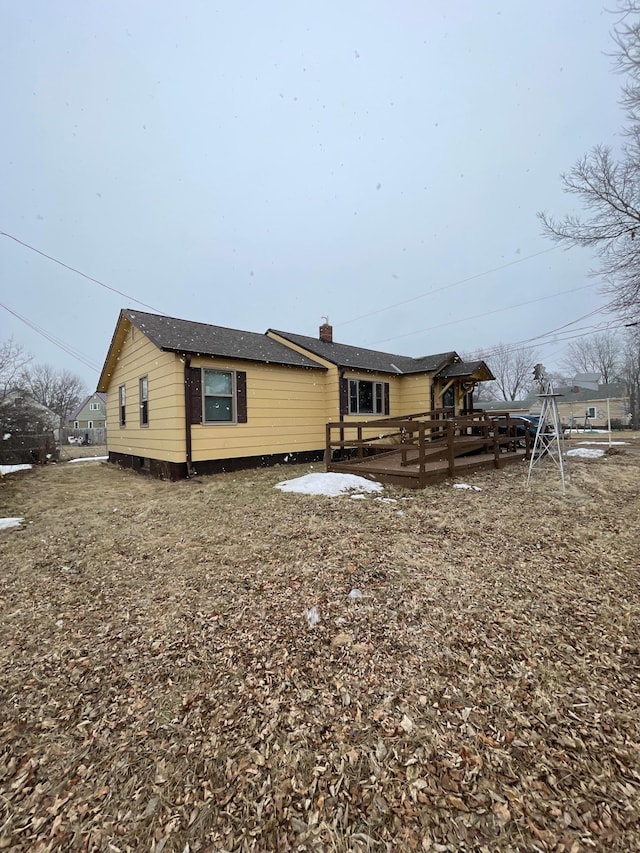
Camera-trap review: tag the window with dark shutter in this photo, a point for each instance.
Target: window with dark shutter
(241, 397)
(344, 396)
(216, 396)
(193, 394)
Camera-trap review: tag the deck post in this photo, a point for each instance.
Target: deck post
(421, 455)
(496, 446)
(451, 459)
(360, 450)
(327, 452)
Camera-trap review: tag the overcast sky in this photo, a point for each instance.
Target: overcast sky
(262, 165)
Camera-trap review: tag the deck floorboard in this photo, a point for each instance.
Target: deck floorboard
(389, 468)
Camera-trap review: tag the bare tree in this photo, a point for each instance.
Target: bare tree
(609, 188)
(600, 353)
(513, 371)
(58, 390)
(13, 360)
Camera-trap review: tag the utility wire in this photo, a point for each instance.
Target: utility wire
(485, 314)
(79, 272)
(538, 339)
(447, 287)
(53, 339)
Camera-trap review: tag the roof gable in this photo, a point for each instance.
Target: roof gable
(91, 398)
(476, 371)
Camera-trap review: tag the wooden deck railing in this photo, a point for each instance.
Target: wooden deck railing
(423, 438)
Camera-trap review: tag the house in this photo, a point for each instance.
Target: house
(91, 413)
(588, 403)
(187, 397)
(27, 430)
(21, 412)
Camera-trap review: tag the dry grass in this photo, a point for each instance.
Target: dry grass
(161, 688)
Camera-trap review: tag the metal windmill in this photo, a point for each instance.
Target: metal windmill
(549, 440)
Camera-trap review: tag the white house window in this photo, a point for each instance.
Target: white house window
(144, 402)
(591, 412)
(76, 424)
(122, 405)
(366, 398)
(89, 424)
(218, 396)
(94, 407)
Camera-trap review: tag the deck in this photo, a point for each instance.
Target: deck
(424, 448)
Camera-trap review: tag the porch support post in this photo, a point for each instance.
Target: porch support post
(451, 428)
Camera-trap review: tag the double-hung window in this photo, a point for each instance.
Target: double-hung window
(144, 401)
(122, 405)
(94, 407)
(218, 396)
(366, 398)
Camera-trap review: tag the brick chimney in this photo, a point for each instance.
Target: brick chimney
(326, 331)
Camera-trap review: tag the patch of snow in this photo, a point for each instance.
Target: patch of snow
(354, 594)
(6, 523)
(90, 459)
(358, 497)
(467, 486)
(10, 469)
(312, 615)
(6, 436)
(586, 452)
(330, 485)
(599, 443)
(387, 500)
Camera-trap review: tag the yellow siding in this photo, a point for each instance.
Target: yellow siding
(286, 413)
(573, 412)
(164, 438)
(415, 394)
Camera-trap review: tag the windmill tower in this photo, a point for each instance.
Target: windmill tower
(549, 440)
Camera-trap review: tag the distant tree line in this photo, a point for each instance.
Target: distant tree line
(24, 384)
(614, 357)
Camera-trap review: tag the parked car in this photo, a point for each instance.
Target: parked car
(523, 424)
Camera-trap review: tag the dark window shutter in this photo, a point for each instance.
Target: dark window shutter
(241, 397)
(193, 394)
(386, 398)
(344, 396)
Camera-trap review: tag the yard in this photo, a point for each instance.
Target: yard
(163, 686)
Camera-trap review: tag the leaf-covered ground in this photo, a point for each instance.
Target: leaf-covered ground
(162, 688)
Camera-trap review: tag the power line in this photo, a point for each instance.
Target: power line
(79, 272)
(58, 342)
(485, 314)
(447, 287)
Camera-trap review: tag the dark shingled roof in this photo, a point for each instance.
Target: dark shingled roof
(465, 368)
(575, 394)
(359, 358)
(174, 335)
